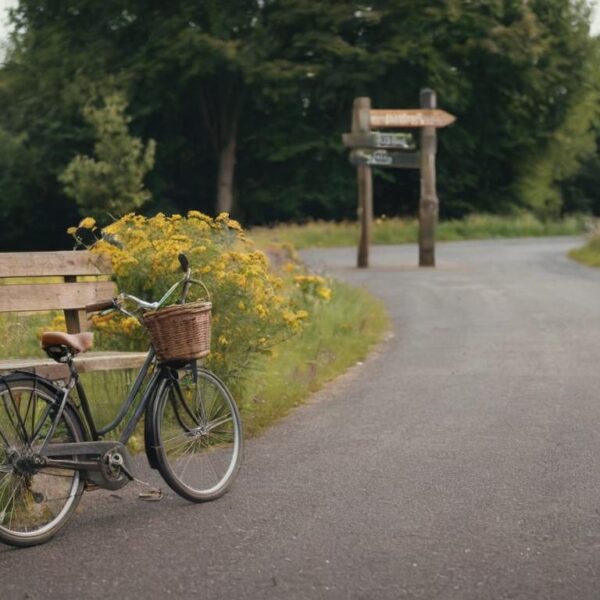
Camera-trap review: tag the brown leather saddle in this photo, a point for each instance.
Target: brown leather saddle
(55, 342)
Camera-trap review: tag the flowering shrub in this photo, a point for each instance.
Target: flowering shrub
(313, 285)
(253, 309)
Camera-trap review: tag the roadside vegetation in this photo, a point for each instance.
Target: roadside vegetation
(334, 338)
(589, 253)
(326, 234)
(279, 331)
(250, 104)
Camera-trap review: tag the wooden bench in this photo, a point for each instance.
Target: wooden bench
(66, 281)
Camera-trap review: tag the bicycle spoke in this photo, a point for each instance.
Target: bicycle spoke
(184, 434)
(200, 437)
(4, 439)
(3, 511)
(221, 438)
(20, 424)
(176, 448)
(25, 417)
(10, 418)
(188, 460)
(35, 504)
(213, 424)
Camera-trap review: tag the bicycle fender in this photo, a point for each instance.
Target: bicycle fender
(150, 441)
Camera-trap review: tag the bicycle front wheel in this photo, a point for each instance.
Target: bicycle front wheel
(34, 502)
(198, 435)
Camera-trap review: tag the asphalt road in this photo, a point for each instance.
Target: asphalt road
(461, 460)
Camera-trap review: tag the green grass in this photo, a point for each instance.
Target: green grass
(19, 339)
(322, 234)
(340, 333)
(19, 334)
(589, 254)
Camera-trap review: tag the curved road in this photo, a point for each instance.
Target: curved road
(462, 460)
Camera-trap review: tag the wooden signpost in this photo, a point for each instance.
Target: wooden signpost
(411, 117)
(396, 150)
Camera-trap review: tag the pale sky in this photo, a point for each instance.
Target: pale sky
(5, 4)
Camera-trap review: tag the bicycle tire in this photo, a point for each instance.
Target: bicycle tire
(197, 433)
(34, 505)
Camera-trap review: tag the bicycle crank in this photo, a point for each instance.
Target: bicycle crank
(105, 464)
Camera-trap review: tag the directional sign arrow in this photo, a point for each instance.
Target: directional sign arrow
(411, 117)
(383, 158)
(379, 139)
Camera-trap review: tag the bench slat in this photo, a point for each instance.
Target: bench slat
(53, 296)
(45, 264)
(90, 361)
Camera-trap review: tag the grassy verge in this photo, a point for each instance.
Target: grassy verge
(18, 334)
(322, 234)
(589, 254)
(340, 333)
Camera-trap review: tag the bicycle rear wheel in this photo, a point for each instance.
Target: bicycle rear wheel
(198, 435)
(34, 502)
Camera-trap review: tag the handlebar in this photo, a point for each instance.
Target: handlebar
(117, 303)
(100, 305)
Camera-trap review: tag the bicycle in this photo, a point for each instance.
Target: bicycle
(51, 449)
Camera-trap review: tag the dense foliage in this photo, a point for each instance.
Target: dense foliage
(247, 100)
(254, 308)
(111, 183)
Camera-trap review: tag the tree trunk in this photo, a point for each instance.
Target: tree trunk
(221, 110)
(226, 172)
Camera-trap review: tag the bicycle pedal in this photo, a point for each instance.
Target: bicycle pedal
(151, 495)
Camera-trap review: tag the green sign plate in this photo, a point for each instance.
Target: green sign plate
(379, 139)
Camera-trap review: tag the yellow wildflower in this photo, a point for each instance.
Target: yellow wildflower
(324, 293)
(87, 223)
(232, 224)
(261, 311)
(196, 214)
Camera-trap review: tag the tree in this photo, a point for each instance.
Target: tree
(252, 95)
(112, 183)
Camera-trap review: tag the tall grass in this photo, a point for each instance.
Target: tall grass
(324, 234)
(340, 333)
(19, 334)
(588, 254)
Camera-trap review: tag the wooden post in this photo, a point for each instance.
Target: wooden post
(361, 124)
(76, 321)
(428, 203)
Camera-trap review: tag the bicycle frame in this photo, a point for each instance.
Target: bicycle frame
(54, 428)
(128, 403)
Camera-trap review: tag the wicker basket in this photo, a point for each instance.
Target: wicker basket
(180, 332)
